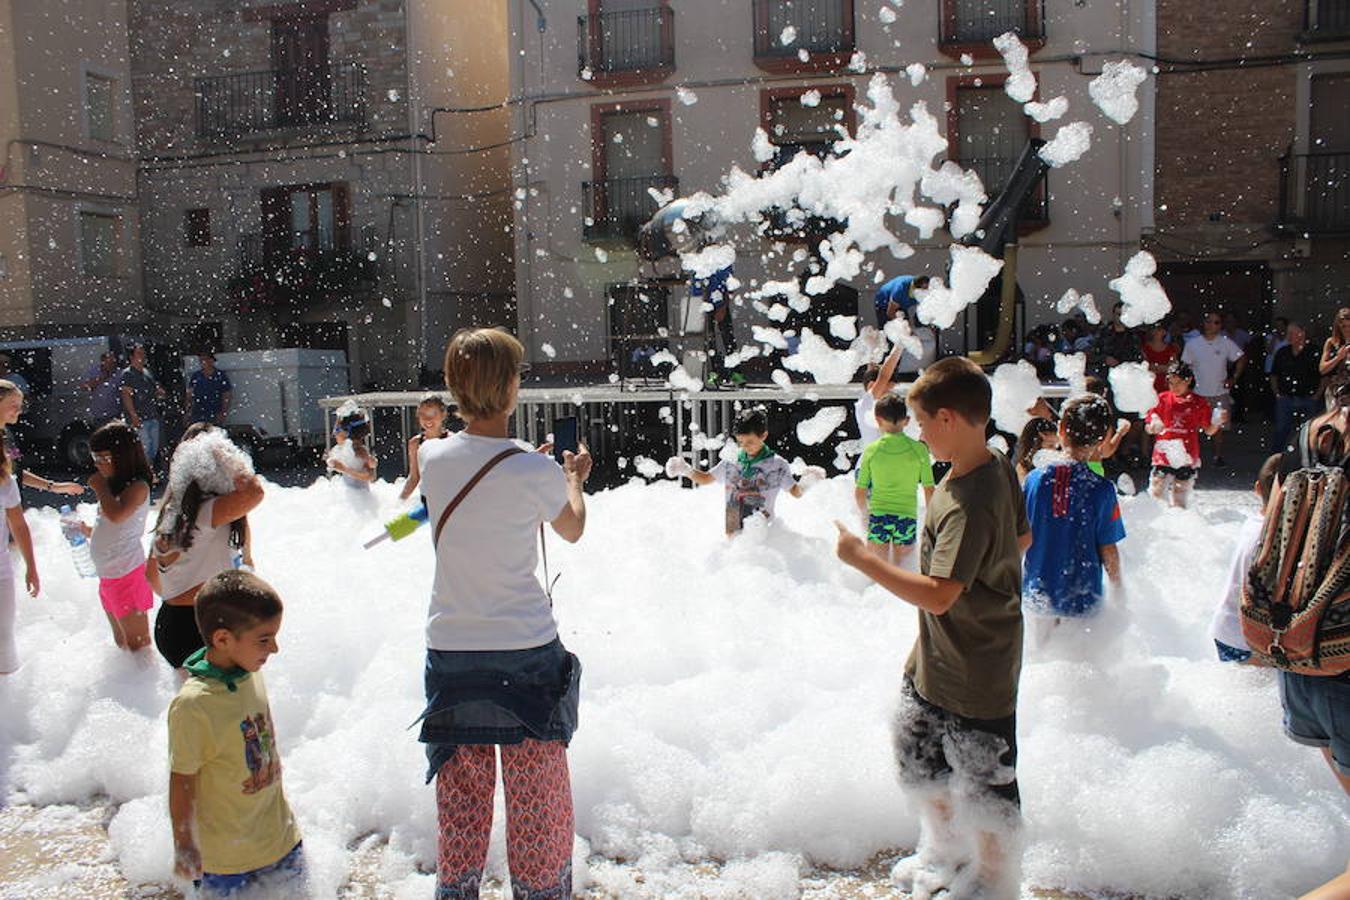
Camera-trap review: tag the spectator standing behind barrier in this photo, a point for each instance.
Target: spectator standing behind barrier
(209, 393)
(105, 400)
(1296, 383)
(1335, 364)
(140, 399)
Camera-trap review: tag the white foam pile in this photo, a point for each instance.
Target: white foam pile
(1072, 300)
(734, 716)
(888, 167)
(1048, 111)
(971, 271)
(1072, 367)
(1016, 389)
(1143, 296)
(825, 364)
(820, 426)
(1113, 90)
(1132, 387)
(1175, 452)
(1021, 84)
(214, 462)
(899, 332)
(1068, 145)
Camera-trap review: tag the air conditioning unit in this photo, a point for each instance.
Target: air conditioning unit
(1301, 249)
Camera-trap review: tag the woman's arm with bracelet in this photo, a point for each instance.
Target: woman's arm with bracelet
(34, 480)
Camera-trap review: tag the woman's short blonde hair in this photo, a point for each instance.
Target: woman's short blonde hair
(481, 365)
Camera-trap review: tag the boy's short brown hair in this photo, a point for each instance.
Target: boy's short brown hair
(236, 601)
(1087, 420)
(480, 366)
(953, 383)
(891, 408)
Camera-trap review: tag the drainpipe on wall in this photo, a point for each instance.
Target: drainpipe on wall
(419, 224)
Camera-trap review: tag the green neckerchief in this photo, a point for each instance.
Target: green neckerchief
(197, 664)
(747, 462)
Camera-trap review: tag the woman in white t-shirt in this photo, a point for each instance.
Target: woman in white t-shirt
(12, 523)
(496, 673)
(200, 532)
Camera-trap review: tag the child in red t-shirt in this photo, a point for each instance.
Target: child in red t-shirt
(1176, 422)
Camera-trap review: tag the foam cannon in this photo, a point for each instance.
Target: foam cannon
(997, 235)
(668, 233)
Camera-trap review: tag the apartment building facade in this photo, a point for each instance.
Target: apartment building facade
(623, 96)
(1253, 158)
(324, 173)
(69, 224)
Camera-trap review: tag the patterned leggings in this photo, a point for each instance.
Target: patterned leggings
(538, 819)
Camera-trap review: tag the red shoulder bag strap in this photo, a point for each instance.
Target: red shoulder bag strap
(464, 491)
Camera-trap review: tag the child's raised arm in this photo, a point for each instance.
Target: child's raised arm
(882, 386)
(247, 494)
(187, 860)
(414, 470)
(118, 507)
(18, 527)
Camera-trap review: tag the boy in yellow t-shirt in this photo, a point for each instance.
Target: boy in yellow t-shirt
(232, 828)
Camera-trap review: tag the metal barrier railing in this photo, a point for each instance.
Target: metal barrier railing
(655, 421)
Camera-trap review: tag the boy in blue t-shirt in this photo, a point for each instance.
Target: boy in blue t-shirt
(1075, 522)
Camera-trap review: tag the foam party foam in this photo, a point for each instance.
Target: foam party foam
(819, 427)
(1132, 387)
(1068, 145)
(734, 714)
(1113, 90)
(1048, 111)
(1015, 390)
(1021, 84)
(1142, 295)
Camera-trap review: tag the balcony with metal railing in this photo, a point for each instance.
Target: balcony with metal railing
(1315, 193)
(616, 208)
(787, 30)
(634, 46)
(1326, 20)
(294, 276)
(969, 26)
(251, 103)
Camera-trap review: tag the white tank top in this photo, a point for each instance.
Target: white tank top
(117, 547)
(210, 554)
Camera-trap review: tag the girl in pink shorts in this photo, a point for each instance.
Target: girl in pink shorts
(121, 482)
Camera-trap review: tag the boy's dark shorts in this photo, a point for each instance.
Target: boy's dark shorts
(973, 757)
(1317, 713)
(1180, 473)
(887, 529)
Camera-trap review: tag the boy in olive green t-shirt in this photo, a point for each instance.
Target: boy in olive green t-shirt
(888, 480)
(955, 730)
(232, 828)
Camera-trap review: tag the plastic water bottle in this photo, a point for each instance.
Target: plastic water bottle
(79, 544)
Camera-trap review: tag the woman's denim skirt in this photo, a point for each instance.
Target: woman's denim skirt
(498, 697)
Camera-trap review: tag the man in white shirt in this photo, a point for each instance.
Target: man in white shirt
(1209, 355)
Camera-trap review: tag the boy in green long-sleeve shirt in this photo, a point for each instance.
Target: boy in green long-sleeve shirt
(891, 471)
